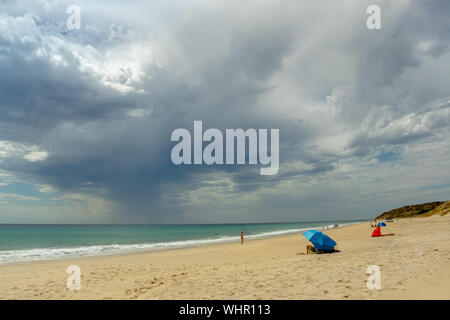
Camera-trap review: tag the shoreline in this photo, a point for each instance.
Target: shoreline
(171, 245)
(269, 268)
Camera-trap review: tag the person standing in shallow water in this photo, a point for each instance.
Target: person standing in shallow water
(242, 238)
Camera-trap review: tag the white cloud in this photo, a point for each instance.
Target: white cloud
(9, 149)
(384, 126)
(90, 203)
(34, 156)
(7, 197)
(18, 30)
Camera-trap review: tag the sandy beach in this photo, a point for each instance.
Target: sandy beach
(414, 264)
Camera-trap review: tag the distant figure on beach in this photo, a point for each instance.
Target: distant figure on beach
(242, 238)
(311, 249)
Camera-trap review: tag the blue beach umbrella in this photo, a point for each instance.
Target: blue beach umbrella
(320, 240)
(381, 224)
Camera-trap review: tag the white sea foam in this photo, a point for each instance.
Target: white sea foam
(15, 256)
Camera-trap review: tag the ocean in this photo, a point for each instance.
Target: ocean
(22, 243)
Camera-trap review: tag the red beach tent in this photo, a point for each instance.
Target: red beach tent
(376, 232)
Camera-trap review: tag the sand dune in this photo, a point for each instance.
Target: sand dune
(415, 264)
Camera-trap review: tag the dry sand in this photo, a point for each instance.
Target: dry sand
(415, 264)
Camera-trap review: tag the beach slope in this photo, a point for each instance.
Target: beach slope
(414, 264)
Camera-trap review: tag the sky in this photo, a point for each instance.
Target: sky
(86, 114)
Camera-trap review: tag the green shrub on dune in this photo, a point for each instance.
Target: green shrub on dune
(418, 210)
